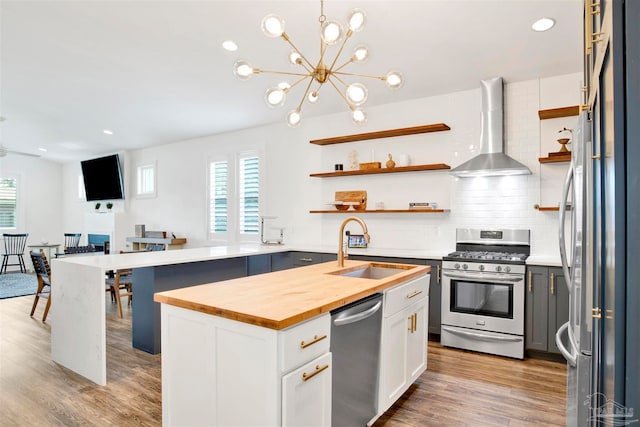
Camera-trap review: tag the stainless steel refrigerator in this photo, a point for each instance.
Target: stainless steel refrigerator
(601, 341)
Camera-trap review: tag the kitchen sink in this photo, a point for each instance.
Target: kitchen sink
(372, 271)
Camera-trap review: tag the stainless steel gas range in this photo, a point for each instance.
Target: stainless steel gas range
(483, 291)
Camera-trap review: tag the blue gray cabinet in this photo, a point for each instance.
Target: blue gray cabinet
(300, 259)
(546, 307)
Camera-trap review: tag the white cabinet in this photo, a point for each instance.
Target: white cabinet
(404, 339)
(306, 394)
(220, 372)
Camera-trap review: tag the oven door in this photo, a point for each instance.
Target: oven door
(483, 301)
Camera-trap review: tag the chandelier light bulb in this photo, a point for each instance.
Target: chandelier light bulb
(275, 97)
(358, 116)
(284, 86)
(357, 94)
(313, 97)
(272, 25)
(295, 58)
(293, 118)
(360, 54)
(394, 79)
(243, 69)
(357, 19)
(331, 32)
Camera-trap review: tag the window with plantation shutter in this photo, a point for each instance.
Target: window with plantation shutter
(249, 189)
(8, 203)
(218, 201)
(234, 197)
(146, 180)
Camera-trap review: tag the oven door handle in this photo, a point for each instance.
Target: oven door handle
(481, 336)
(483, 276)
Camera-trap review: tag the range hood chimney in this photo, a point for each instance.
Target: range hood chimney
(492, 161)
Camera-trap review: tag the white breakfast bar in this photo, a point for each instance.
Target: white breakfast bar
(78, 324)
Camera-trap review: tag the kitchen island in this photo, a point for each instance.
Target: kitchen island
(256, 350)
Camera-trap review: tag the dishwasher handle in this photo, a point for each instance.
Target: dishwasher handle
(340, 321)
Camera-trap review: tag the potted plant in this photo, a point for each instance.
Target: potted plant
(109, 206)
(97, 206)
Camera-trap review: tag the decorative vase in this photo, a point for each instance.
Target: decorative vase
(390, 163)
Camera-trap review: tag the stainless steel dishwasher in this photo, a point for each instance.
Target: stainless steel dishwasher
(355, 348)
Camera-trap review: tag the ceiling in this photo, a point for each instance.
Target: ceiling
(154, 72)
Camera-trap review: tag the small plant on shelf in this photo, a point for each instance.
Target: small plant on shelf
(98, 206)
(109, 206)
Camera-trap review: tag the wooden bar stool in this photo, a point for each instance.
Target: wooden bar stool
(43, 272)
(121, 285)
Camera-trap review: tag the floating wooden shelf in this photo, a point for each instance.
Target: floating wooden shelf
(417, 168)
(382, 211)
(555, 159)
(555, 113)
(438, 127)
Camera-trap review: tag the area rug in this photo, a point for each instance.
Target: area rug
(17, 285)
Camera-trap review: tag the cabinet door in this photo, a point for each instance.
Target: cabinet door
(417, 340)
(435, 292)
(306, 394)
(536, 308)
(394, 358)
(301, 259)
(281, 261)
(258, 264)
(558, 305)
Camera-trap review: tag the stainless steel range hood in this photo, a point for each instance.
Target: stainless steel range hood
(492, 161)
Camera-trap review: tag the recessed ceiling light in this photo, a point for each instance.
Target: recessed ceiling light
(108, 132)
(44, 150)
(229, 45)
(543, 24)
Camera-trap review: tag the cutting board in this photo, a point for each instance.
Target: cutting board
(357, 196)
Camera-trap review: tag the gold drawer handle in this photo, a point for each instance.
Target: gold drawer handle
(313, 341)
(438, 278)
(530, 281)
(305, 259)
(307, 377)
(553, 283)
(414, 293)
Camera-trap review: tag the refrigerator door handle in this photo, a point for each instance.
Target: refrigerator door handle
(563, 210)
(570, 356)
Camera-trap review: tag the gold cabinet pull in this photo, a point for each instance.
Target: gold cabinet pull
(530, 280)
(413, 294)
(596, 157)
(438, 275)
(307, 377)
(596, 314)
(413, 323)
(315, 339)
(305, 259)
(553, 283)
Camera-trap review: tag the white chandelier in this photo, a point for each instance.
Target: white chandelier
(331, 33)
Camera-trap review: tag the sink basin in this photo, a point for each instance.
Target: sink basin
(373, 271)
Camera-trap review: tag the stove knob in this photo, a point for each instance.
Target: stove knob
(498, 268)
(507, 269)
(481, 267)
(465, 266)
(456, 266)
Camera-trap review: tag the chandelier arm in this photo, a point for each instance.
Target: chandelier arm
(361, 75)
(350, 61)
(340, 80)
(258, 71)
(298, 82)
(351, 107)
(288, 40)
(306, 92)
(346, 39)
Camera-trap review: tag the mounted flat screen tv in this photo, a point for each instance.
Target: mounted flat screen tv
(102, 178)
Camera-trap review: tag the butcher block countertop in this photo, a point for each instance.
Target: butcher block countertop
(284, 298)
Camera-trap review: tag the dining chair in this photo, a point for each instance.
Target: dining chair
(121, 281)
(14, 245)
(43, 273)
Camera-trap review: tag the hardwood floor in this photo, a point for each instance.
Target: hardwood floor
(459, 388)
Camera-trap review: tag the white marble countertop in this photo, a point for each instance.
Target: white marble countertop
(181, 256)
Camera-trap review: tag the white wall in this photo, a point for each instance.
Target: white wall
(40, 198)
(290, 192)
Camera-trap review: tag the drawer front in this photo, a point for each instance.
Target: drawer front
(399, 297)
(304, 342)
(306, 258)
